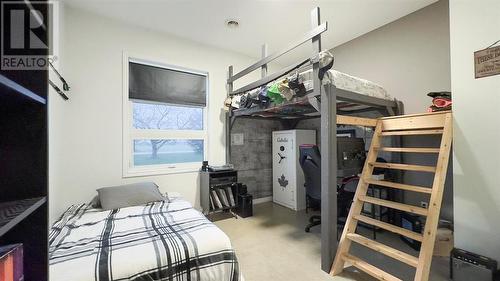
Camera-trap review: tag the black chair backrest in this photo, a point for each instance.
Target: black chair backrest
(310, 161)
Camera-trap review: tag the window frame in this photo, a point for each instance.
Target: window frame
(129, 133)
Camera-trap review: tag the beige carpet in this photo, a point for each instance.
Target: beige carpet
(272, 245)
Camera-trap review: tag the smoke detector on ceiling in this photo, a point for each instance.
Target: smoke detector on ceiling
(232, 23)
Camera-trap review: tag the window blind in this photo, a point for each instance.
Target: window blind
(166, 85)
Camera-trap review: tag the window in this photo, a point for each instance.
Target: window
(162, 117)
(165, 128)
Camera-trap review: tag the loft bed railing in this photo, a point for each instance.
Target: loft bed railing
(308, 105)
(322, 101)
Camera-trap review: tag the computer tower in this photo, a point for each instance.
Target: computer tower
(413, 223)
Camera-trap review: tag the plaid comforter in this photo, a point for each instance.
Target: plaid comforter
(158, 241)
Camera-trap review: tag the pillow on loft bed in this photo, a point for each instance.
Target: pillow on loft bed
(127, 195)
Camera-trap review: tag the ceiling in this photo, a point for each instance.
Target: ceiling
(275, 22)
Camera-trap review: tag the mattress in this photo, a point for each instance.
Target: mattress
(349, 83)
(157, 241)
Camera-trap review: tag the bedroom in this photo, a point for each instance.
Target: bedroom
(410, 48)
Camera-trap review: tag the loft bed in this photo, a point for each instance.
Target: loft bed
(354, 96)
(335, 93)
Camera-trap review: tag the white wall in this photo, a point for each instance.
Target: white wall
(473, 26)
(86, 131)
(408, 57)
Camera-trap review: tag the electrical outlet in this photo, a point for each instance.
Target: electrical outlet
(424, 204)
(237, 139)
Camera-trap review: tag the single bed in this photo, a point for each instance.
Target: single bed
(167, 240)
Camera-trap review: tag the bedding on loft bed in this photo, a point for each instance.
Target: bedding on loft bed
(259, 103)
(166, 240)
(349, 83)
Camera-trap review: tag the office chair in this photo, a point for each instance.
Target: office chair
(345, 195)
(310, 162)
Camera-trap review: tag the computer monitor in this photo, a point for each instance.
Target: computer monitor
(351, 155)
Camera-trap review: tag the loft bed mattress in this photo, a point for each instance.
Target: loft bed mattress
(158, 241)
(349, 83)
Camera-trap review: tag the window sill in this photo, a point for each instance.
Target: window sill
(132, 173)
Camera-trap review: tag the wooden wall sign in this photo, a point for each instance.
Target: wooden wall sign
(487, 62)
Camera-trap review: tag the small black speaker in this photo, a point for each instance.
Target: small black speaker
(466, 266)
(245, 206)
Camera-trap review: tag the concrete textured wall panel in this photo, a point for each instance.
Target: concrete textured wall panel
(253, 159)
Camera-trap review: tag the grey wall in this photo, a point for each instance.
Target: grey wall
(253, 159)
(409, 58)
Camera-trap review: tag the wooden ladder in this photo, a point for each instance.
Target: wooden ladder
(418, 124)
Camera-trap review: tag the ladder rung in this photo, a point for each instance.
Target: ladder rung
(400, 186)
(394, 205)
(369, 269)
(409, 149)
(412, 132)
(384, 249)
(407, 167)
(390, 227)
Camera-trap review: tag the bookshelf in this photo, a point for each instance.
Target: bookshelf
(218, 186)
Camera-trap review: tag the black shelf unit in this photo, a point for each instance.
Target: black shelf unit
(23, 168)
(24, 165)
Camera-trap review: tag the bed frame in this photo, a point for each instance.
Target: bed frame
(321, 102)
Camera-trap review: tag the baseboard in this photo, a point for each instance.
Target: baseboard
(262, 200)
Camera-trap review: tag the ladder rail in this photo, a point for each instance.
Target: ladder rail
(430, 229)
(424, 121)
(406, 167)
(409, 149)
(394, 205)
(402, 186)
(412, 132)
(357, 205)
(390, 227)
(370, 269)
(384, 249)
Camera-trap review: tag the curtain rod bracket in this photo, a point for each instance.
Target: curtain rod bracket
(61, 93)
(66, 87)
